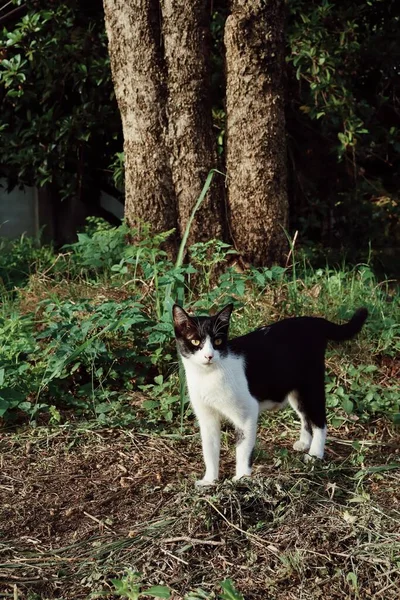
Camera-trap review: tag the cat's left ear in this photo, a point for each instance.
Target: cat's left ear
(225, 314)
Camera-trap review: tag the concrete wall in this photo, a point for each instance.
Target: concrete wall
(29, 210)
(19, 211)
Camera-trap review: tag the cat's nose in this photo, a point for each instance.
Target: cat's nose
(208, 356)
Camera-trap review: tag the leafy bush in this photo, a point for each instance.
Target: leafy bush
(130, 586)
(21, 257)
(342, 58)
(99, 247)
(58, 125)
(95, 333)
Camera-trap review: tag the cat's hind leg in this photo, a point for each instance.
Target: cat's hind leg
(304, 442)
(312, 401)
(317, 447)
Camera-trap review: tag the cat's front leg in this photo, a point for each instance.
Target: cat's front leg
(246, 431)
(210, 430)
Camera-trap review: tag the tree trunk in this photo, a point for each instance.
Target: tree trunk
(255, 147)
(138, 69)
(187, 46)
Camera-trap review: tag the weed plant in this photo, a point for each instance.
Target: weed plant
(88, 331)
(19, 259)
(130, 586)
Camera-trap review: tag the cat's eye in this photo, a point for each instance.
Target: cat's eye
(217, 342)
(195, 342)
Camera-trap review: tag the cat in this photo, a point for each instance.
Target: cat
(263, 370)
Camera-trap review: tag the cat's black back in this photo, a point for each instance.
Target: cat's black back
(290, 354)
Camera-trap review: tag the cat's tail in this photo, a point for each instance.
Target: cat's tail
(339, 333)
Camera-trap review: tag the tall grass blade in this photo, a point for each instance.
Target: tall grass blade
(176, 292)
(171, 287)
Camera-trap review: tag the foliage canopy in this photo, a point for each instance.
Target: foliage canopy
(59, 121)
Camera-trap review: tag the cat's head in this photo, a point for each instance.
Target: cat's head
(202, 340)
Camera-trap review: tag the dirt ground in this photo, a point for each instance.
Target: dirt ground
(80, 506)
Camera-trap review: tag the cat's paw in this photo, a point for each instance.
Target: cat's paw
(202, 483)
(239, 477)
(301, 446)
(309, 458)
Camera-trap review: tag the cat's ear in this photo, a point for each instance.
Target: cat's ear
(225, 314)
(181, 318)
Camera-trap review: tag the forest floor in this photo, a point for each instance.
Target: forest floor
(79, 506)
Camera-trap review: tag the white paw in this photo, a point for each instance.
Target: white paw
(238, 477)
(205, 483)
(301, 446)
(311, 458)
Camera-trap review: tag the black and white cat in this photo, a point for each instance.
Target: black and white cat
(263, 370)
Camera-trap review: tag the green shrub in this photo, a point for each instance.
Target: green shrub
(20, 258)
(100, 333)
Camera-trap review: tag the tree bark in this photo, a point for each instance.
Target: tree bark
(255, 146)
(138, 70)
(187, 46)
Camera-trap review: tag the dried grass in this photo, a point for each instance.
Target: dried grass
(81, 506)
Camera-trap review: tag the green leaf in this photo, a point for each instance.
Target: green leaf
(352, 578)
(104, 407)
(150, 404)
(198, 594)
(4, 406)
(229, 592)
(118, 585)
(377, 469)
(348, 406)
(157, 591)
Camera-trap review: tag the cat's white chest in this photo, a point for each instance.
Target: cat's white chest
(221, 385)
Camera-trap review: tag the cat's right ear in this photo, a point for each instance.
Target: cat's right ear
(225, 314)
(181, 318)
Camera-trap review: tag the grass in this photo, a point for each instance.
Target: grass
(99, 450)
